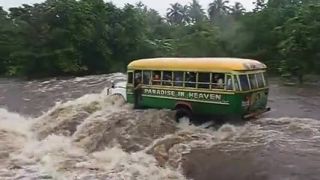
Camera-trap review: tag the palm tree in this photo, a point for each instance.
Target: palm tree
(238, 9)
(259, 5)
(176, 14)
(218, 8)
(195, 12)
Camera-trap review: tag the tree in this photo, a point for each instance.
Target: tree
(201, 39)
(76, 37)
(195, 12)
(217, 9)
(6, 46)
(259, 5)
(177, 14)
(301, 39)
(237, 10)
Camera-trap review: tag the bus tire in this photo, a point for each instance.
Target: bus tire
(117, 99)
(183, 112)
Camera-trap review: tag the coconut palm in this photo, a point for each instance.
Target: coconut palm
(195, 12)
(176, 14)
(237, 9)
(218, 8)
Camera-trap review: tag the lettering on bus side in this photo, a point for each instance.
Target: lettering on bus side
(185, 95)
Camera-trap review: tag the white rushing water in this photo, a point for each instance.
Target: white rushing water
(99, 137)
(70, 141)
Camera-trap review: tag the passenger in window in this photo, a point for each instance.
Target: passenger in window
(236, 85)
(229, 84)
(178, 81)
(178, 78)
(191, 80)
(138, 76)
(146, 79)
(156, 79)
(217, 82)
(167, 80)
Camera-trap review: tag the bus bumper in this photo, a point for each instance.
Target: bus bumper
(248, 116)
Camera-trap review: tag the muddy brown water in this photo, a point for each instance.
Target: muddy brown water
(69, 129)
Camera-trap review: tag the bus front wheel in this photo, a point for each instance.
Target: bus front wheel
(183, 112)
(117, 99)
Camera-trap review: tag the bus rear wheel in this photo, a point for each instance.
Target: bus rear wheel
(183, 112)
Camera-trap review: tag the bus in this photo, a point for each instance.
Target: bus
(228, 87)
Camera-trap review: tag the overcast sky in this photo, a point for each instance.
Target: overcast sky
(160, 5)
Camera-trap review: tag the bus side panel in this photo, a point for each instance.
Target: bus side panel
(201, 108)
(232, 108)
(130, 98)
(235, 104)
(153, 102)
(158, 103)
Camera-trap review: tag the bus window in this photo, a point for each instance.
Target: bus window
(204, 80)
(236, 83)
(167, 78)
(244, 82)
(217, 81)
(190, 79)
(266, 79)
(260, 80)
(130, 77)
(146, 77)
(229, 84)
(156, 78)
(178, 78)
(137, 74)
(253, 82)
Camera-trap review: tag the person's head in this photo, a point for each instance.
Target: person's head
(157, 76)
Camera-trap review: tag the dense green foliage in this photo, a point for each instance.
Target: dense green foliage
(73, 37)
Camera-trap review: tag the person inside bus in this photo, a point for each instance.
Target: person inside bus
(217, 82)
(137, 91)
(190, 79)
(229, 84)
(146, 78)
(156, 80)
(178, 80)
(167, 80)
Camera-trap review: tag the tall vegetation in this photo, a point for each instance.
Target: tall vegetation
(74, 37)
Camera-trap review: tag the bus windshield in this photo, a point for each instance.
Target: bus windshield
(252, 81)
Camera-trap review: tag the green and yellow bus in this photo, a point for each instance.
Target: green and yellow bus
(230, 87)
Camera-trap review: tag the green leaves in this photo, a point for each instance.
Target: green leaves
(301, 38)
(63, 37)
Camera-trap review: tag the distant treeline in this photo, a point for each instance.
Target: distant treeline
(77, 37)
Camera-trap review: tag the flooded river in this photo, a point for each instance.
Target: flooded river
(69, 129)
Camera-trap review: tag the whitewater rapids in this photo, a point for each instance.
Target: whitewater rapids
(100, 137)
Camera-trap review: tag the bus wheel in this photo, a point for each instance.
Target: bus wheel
(117, 99)
(182, 112)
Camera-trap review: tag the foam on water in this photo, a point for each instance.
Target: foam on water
(90, 137)
(14, 134)
(99, 137)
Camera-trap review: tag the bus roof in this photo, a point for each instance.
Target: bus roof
(197, 64)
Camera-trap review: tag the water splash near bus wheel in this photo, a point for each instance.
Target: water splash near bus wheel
(98, 137)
